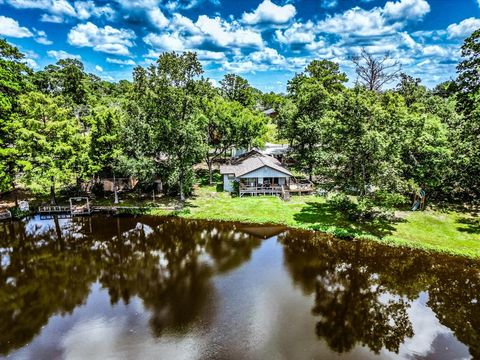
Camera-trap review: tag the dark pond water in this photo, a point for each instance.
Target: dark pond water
(158, 288)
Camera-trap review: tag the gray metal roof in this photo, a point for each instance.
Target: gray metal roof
(252, 161)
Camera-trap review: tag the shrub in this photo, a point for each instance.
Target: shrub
(377, 206)
(19, 214)
(344, 204)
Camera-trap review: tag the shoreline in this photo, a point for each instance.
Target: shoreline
(195, 210)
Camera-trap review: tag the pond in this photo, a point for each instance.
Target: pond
(163, 288)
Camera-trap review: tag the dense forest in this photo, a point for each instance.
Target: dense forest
(61, 126)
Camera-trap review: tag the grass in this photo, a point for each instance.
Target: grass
(449, 232)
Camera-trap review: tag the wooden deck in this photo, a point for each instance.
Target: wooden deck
(277, 190)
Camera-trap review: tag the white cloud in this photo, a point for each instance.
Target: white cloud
(406, 9)
(174, 5)
(297, 33)
(86, 9)
(376, 21)
(41, 37)
(58, 7)
(31, 63)
(107, 39)
(57, 10)
(61, 54)
(168, 42)
(224, 34)
(357, 21)
(464, 28)
(120, 61)
(207, 35)
(10, 27)
(328, 3)
(51, 18)
(268, 12)
(157, 18)
(267, 56)
(434, 50)
(98, 68)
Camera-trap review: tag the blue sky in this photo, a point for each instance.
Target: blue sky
(266, 41)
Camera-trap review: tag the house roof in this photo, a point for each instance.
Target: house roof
(251, 161)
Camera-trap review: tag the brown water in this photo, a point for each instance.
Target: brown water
(152, 288)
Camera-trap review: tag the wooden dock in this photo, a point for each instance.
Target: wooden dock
(54, 209)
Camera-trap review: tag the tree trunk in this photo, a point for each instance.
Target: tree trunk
(182, 195)
(364, 180)
(53, 198)
(15, 195)
(115, 199)
(210, 176)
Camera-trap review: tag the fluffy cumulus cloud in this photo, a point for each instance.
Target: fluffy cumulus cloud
(377, 21)
(207, 36)
(87, 9)
(464, 28)
(11, 28)
(57, 10)
(406, 9)
(107, 39)
(298, 33)
(61, 54)
(269, 12)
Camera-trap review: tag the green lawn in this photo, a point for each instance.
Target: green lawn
(450, 232)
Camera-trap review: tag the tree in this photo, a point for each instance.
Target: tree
(67, 78)
(467, 144)
(165, 126)
(312, 95)
(104, 139)
(230, 124)
(13, 82)
(236, 88)
(373, 72)
(51, 137)
(410, 88)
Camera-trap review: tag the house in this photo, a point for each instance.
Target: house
(257, 173)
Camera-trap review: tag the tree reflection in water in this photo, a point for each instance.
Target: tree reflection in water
(363, 290)
(48, 268)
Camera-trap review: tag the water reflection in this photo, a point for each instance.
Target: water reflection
(173, 284)
(364, 291)
(49, 267)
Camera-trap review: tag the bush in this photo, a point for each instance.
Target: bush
(377, 206)
(388, 200)
(19, 214)
(344, 204)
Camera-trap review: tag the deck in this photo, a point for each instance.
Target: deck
(277, 190)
